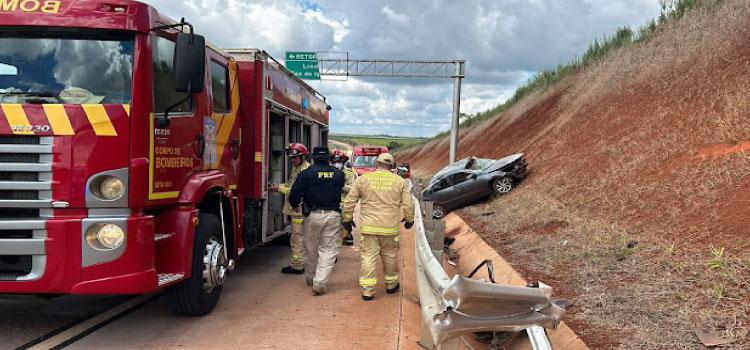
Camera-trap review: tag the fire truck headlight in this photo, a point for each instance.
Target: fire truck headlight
(105, 236)
(111, 188)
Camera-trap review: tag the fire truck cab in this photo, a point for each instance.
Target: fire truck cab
(134, 154)
(363, 158)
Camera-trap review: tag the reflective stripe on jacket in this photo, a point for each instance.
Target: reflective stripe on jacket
(381, 196)
(287, 187)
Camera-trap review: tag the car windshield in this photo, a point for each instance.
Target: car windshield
(70, 68)
(364, 161)
(481, 163)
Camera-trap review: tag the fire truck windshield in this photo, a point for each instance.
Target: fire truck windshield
(364, 161)
(40, 67)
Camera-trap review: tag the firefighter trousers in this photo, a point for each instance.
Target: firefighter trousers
(323, 242)
(297, 241)
(370, 247)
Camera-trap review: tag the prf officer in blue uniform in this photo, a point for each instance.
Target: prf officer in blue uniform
(319, 187)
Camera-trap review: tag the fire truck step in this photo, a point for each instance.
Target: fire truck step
(161, 236)
(166, 278)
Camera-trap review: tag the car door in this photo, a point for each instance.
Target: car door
(463, 189)
(441, 192)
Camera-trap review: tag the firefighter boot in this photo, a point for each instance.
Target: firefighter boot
(292, 271)
(349, 240)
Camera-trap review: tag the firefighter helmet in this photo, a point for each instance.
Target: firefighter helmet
(339, 156)
(296, 149)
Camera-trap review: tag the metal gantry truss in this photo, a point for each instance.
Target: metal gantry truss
(347, 67)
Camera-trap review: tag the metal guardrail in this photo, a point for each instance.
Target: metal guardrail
(452, 307)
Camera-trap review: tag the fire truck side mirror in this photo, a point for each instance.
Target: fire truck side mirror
(190, 63)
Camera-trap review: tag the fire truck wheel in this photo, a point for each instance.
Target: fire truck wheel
(198, 295)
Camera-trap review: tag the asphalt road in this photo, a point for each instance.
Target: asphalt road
(260, 308)
(24, 321)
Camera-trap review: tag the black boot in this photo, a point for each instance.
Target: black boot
(367, 297)
(293, 271)
(394, 289)
(349, 239)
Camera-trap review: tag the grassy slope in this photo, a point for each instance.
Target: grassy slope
(637, 203)
(377, 140)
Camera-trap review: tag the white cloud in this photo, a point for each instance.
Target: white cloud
(504, 42)
(393, 16)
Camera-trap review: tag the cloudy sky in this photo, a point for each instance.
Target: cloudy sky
(503, 41)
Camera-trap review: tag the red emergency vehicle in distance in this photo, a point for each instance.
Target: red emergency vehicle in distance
(363, 158)
(134, 155)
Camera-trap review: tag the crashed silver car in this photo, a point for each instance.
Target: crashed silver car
(472, 179)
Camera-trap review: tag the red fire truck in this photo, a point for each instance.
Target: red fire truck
(134, 155)
(363, 158)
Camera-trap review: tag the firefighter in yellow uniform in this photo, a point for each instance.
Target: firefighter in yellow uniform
(338, 161)
(298, 156)
(381, 196)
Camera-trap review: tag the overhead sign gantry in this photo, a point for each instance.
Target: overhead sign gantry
(348, 67)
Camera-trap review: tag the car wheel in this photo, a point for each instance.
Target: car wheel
(199, 294)
(502, 185)
(437, 211)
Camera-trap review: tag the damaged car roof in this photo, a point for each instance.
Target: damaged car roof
(474, 163)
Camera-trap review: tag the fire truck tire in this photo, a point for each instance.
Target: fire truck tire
(190, 297)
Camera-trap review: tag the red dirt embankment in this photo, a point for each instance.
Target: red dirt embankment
(640, 174)
(659, 134)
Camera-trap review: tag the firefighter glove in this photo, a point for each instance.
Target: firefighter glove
(348, 225)
(408, 224)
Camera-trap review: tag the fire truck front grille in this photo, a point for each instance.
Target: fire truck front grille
(25, 205)
(16, 234)
(18, 176)
(16, 195)
(19, 140)
(19, 158)
(19, 213)
(14, 266)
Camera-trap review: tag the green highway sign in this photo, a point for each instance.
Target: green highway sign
(303, 64)
(301, 56)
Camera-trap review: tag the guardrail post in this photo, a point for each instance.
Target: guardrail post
(425, 338)
(438, 239)
(426, 341)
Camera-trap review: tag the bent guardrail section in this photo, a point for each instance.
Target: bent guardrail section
(455, 306)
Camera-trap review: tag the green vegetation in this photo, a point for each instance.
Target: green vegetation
(392, 142)
(600, 48)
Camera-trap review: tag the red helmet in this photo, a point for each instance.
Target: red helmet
(339, 156)
(296, 149)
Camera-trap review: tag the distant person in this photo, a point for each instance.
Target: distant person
(298, 156)
(319, 187)
(381, 196)
(339, 159)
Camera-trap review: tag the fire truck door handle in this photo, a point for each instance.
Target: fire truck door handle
(235, 148)
(200, 145)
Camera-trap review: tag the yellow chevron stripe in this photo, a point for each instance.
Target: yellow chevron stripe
(127, 109)
(99, 120)
(17, 117)
(58, 119)
(225, 128)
